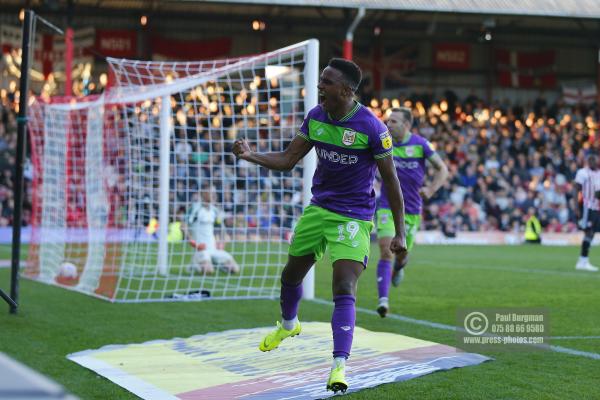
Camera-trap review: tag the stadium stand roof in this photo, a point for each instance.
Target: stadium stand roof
(549, 8)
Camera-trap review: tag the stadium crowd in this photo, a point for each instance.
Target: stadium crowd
(505, 161)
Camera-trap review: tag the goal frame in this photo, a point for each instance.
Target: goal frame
(131, 93)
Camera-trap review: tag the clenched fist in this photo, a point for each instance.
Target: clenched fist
(398, 246)
(241, 149)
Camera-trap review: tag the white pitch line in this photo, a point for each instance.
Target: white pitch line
(573, 337)
(558, 349)
(573, 352)
(8, 264)
(523, 270)
(396, 317)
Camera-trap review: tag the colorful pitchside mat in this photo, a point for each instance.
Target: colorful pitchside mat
(228, 365)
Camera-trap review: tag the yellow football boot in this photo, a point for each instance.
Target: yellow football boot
(273, 339)
(337, 379)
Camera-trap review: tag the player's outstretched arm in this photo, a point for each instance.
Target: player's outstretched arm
(396, 200)
(440, 174)
(280, 161)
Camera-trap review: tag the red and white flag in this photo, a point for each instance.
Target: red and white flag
(580, 94)
(524, 69)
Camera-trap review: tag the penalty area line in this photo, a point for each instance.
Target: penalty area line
(436, 325)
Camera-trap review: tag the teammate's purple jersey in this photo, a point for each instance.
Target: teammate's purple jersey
(409, 159)
(346, 152)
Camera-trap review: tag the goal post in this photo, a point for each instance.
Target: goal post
(163, 220)
(311, 99)
(128, 185)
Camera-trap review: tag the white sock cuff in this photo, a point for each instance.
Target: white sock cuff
(339, 360)
(288, 325)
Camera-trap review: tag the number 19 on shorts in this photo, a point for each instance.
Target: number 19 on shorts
(351, 228)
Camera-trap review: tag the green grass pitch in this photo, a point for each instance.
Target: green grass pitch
(53, 322)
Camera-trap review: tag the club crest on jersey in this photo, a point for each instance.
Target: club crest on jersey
(386, 140)
(410, 151)
(349, 137)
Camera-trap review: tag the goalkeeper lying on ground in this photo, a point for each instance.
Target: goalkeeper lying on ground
(198, 228)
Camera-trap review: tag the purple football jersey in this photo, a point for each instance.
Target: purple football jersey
(409, 159)
(347, 150)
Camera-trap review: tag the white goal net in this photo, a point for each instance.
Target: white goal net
(137, 197)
